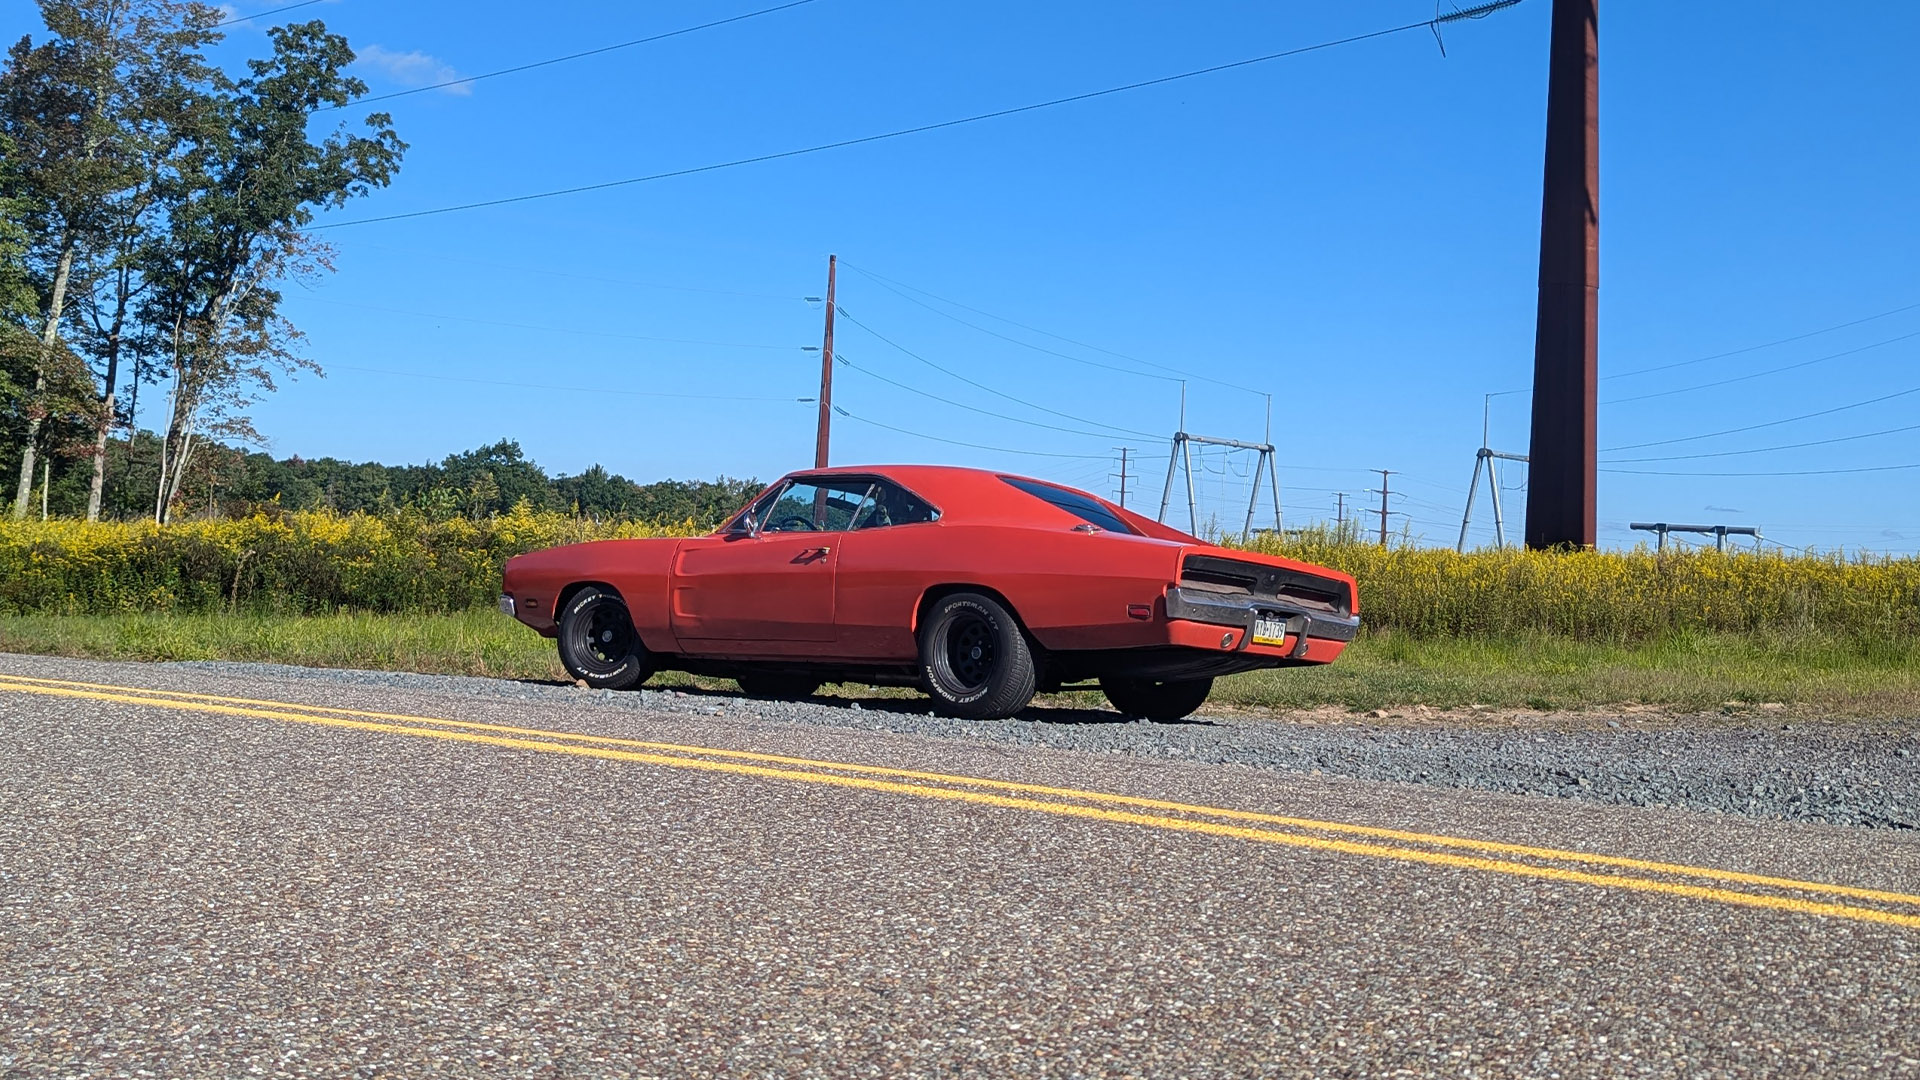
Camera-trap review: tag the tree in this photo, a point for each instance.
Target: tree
(245, 193)
(163, 110)
(54, 99)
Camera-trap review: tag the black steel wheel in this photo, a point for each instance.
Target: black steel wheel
(775, 686)
(1157, 700)
(974, 658)
(598, 644)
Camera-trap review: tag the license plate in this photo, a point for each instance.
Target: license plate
(1269, 630)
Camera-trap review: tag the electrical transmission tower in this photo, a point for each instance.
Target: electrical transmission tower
(1183, 454)
(1487, 459)
(1383, 492)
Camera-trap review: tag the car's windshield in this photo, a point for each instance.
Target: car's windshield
(809, 506)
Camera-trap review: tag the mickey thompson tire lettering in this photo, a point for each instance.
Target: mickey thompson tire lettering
(975, 659)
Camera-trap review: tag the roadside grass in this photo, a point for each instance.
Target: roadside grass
(1382, 670)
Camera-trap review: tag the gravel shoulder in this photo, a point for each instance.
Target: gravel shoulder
(1755, 764)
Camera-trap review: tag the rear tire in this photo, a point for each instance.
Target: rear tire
(777, 687)
(598, 643)
(1157, 700)
(974, 658)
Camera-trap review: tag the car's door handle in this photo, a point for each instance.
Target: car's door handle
(811, 554)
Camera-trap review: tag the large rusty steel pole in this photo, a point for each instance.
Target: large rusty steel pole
(1562, 481)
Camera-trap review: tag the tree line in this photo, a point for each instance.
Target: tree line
(151, 207)
(485, 482)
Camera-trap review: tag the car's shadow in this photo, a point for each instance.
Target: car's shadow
(1065, 715)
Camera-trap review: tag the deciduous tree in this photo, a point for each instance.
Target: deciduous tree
(248, 190)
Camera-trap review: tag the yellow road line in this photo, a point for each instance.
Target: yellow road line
(1072, 810)
(1339, 828)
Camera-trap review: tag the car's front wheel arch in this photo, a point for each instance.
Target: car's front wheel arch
(597, 640)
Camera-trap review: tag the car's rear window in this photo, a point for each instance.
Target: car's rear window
(1074, 503)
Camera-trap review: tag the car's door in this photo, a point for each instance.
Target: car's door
(886, 560)
(771, 578)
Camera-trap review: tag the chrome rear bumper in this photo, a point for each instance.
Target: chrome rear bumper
(1238, 610)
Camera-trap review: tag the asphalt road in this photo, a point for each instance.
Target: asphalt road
(230, 874)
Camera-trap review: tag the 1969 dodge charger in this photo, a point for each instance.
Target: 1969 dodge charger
(978, 587)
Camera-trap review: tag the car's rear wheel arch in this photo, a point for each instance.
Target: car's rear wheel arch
(940, 592)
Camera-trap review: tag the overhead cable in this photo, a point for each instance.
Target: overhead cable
(1757, 348)
(264, 14)
(1762, 374)
(960, 405)
(568, 389)
(1735, 352)
(956, 442)
(1795, 472)
(557, 329)
(1771, 423)
(564, 59)
(889, 283)
(521, 268)
(842, 312)
(996, 114)
(1769, 449)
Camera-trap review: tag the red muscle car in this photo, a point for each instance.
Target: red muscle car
(978, 587)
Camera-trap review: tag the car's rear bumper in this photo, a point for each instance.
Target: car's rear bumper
(1239, 611)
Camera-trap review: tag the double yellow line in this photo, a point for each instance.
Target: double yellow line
(1517, 860)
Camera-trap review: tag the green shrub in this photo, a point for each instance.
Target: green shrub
(1620, 596)
(292, 563)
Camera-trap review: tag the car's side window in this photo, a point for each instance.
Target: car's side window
(827, 506)
(889, 505)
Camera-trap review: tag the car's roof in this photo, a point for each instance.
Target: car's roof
(982, 495)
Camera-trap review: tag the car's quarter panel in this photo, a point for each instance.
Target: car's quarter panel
(1070, 589)
(734, 590)
(636, 569)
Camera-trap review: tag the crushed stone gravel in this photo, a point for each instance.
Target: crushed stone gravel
(1834, 772)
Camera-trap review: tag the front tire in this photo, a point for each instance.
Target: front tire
(598, 643)
(974, 658)
(1162, 701)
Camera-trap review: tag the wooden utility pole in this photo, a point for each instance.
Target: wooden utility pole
(826, 375)
(1561, 489)
(1124, 451)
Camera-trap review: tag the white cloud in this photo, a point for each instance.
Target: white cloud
(411, 68)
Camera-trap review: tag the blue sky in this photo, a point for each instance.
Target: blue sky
(1354, 231)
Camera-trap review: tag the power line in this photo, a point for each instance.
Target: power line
(842, 358)
(564, 59)
(1757, 348)
(569, 389)
(1797, 472)
(1473, 12)
(889, 283)
(1770, 449)
(1762, 374)
(556, 329)
(1736, 352)
(525, 269)
(1768, 424)
(264, 14)
(983, 386)
(956, 442)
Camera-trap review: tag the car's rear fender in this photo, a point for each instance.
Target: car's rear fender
(935, 593)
